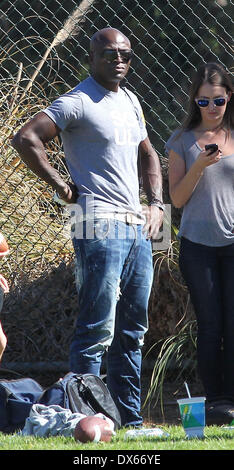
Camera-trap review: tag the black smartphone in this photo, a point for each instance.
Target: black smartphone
(211, 147)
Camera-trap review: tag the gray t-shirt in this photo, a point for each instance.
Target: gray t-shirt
(208, 216)
(101, 131)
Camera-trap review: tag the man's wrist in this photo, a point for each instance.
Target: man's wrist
(62, 190)
(157, 202)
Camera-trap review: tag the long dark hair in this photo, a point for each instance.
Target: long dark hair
(214, 74)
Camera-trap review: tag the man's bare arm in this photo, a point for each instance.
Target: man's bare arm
(152, 184)
(30, 143)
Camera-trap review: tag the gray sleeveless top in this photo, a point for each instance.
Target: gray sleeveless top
(208, 216)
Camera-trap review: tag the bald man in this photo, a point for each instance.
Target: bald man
(103, 131)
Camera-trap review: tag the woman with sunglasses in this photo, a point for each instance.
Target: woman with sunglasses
(202, 182)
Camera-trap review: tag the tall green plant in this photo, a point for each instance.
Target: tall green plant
(177, 354)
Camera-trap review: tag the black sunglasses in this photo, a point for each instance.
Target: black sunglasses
(204, 102)
(112, 54)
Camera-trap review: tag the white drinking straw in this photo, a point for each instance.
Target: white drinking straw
(188, 392)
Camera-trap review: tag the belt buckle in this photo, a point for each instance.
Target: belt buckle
(129, 218)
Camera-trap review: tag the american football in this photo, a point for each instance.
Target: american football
(93, 429)
(4, 248)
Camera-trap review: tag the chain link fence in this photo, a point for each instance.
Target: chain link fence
(43, 53)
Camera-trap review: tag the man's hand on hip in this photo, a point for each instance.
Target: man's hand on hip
(154, 219)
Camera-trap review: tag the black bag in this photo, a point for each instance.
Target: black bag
(86, 394)
(83, 393)
(16, 399)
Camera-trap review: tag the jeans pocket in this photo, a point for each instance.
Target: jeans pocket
(101, 229)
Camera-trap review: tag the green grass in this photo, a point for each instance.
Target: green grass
(216, 438)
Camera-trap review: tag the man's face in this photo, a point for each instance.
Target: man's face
(110, 59)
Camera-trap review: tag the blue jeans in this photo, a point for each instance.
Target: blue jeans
(209, 275)
(114, 278)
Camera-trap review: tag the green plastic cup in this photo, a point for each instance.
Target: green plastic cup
(192, 413)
